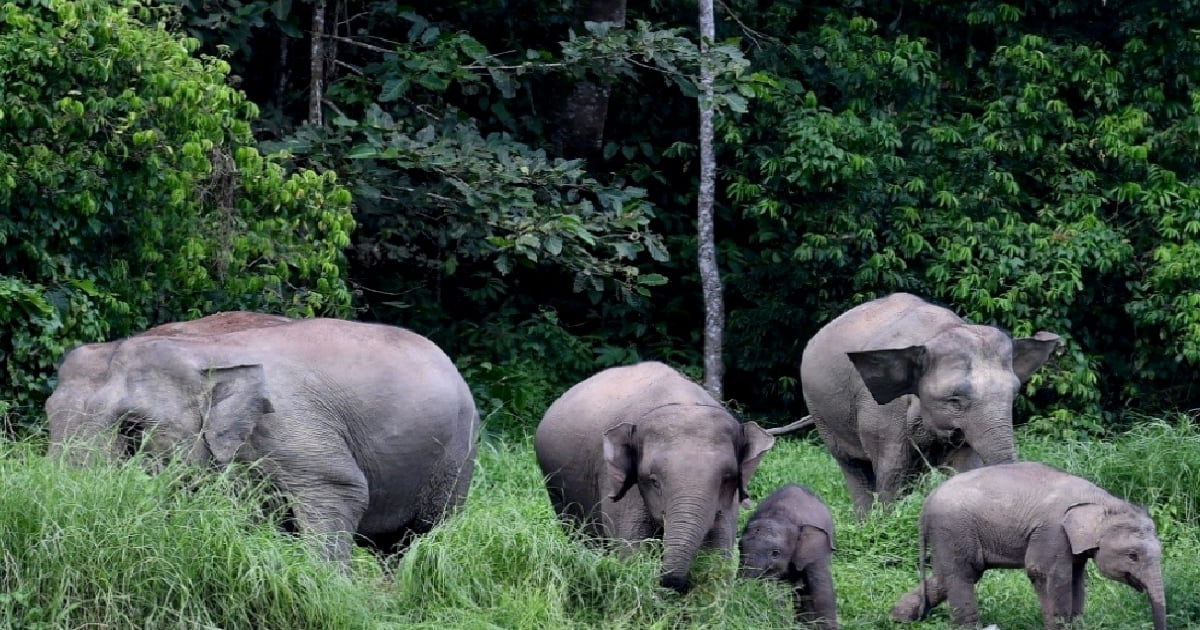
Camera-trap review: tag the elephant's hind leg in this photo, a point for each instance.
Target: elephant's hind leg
(443, 494)
(915, 606)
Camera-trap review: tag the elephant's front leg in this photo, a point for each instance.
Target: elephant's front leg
(723, 534)
(893, 467)
(1078, 587)
(860, 480)
(626, 524)
(1054, 572)
(328, 504)
(815, 596)
(1055, 590)
(887, 441)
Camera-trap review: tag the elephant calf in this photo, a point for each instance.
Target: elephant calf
(1030, 515)
(640, 452)
(790, 537)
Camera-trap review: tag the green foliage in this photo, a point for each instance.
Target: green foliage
(1026, 173)
(131, 192)
(472, 199)
(513, 390)
(450, 184)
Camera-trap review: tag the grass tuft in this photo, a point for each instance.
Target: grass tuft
(115, 547)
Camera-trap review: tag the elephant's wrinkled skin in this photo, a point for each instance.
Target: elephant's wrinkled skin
(790, 537)
(897, 381)
(642, 452)
(1033, 516)
(370, 429)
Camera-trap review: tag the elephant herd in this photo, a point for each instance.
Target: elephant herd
(371, 432)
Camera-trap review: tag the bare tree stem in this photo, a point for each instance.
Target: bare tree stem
(710, 274)
(316, 67)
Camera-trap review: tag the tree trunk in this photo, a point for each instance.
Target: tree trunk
(316, 64)
(710, 275)
(580, 130)
(281, 83)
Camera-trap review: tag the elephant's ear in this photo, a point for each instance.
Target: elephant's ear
(237, 398)
(891, 373)
(814, 542)
(755, 443)
(1084, 524)
(620, 453)
(1029, 353)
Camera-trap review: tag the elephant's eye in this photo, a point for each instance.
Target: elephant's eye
(655, 483)
(775, 553)
(1133, 555)
(956, 403)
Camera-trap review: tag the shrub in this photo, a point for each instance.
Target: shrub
(131, 192)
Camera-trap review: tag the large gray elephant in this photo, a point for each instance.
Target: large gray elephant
(640, 452)
(790, 537)
(368, 429)
(1040, 518)
(897, 381)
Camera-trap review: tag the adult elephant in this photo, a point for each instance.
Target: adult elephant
(898, 381)
(369, 429)
(640, 452)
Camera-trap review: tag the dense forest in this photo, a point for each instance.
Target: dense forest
(518, 181)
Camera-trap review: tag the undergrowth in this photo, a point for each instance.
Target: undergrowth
(112, 547)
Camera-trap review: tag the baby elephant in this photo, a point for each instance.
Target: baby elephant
(790, 538)
(1030, 515)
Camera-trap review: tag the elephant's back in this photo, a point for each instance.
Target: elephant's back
(893, 321)
(392, 382)
(364, 352)
(830, 383)
(621, 394)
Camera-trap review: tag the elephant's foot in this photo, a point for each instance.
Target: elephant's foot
(911, 607)
(676, 582)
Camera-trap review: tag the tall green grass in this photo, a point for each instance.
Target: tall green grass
(114, 548)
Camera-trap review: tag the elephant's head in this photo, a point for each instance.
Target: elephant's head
(778, 550)
(1126, 548)
(965, 379)
(691, 465)
(115, 398)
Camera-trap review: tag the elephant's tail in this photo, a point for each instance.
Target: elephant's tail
(802, 423)
(922, 534)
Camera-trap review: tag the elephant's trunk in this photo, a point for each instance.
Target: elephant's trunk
(87, 444)
(685, 524)
(1158, 601)
(993, 439)
(748, 572)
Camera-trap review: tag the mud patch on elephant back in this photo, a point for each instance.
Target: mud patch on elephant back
(218, 323)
